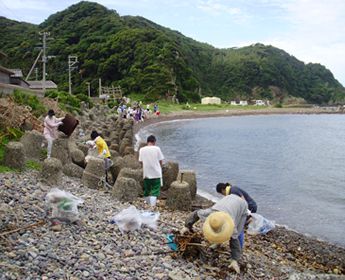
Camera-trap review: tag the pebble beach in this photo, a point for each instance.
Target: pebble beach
(94, 248)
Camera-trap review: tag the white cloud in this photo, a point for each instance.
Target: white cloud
(214, 7)
(35, 5)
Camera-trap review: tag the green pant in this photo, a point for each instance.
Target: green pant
(152, 187)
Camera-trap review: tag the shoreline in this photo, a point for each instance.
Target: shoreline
(190, 115)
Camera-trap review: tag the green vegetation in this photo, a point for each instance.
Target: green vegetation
(31, 164)
(4, 169)
(152, 62)
(27, 99)
(67, 102)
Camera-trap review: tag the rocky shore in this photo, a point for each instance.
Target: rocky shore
(94, 248)
(32, 247)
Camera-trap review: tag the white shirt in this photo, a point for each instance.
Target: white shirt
(150, 157)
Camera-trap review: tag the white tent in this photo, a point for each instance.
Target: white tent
(210, 100)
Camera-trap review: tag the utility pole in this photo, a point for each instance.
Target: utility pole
(88, 89)
(100, 87)
(72, 60)
(33, 66)
(44, 58)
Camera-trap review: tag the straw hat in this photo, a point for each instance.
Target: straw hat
(218, 227)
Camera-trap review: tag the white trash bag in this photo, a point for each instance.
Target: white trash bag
(150, 219)
(64, 205)
(131, 219)
(260, 225)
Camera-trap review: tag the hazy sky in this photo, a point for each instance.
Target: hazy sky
(310, 30)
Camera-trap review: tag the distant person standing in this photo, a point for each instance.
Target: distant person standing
(152, 159)
(51, 124)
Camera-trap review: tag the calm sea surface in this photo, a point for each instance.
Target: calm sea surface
(292, 165)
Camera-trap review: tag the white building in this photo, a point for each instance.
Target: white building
(210, 100)
(241, 103)
(260, 103)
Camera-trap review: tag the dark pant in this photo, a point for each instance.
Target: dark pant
(235, 248)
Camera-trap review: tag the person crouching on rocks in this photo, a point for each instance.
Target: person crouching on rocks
(152, 160)
(51, 123)
(103, 151)
(227, 189)
(224, 221)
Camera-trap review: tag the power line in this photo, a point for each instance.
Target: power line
(13, 14)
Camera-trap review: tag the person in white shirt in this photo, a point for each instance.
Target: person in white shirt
(152, 160)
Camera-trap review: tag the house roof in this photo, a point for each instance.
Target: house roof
(17, 73)
(39, 85)
(5, 70)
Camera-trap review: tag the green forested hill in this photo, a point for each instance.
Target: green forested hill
(152, 60)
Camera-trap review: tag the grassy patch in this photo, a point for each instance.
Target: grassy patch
(4, 169)
(31, 164)
(167, 107)
(23, 98)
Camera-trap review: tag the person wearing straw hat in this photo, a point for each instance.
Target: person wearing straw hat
(224, 221)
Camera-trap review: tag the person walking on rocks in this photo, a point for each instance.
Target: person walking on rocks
(227, 189)
(152, 160)
(51, 123)
(224, 221)
(103, 151)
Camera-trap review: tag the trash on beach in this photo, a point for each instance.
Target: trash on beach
(131, 219)
(64, 205)
(259, 225)
(171, 242)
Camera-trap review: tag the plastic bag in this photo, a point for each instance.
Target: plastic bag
(131, 219)
(64, 205)
(260, 225)
(128, 219)
(150, 219)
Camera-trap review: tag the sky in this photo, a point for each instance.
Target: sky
(310, 30)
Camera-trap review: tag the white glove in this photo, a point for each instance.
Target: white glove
(234, 266)
(90, 143)
(184, 230)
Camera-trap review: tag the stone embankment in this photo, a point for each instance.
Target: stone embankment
(94, 248)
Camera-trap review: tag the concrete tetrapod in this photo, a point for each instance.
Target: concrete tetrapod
(179, 196)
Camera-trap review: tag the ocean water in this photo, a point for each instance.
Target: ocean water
(292, 165)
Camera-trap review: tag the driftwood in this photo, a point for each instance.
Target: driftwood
(9, 116)
(39, 223)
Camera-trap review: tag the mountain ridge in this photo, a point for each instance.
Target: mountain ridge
(155, 61)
